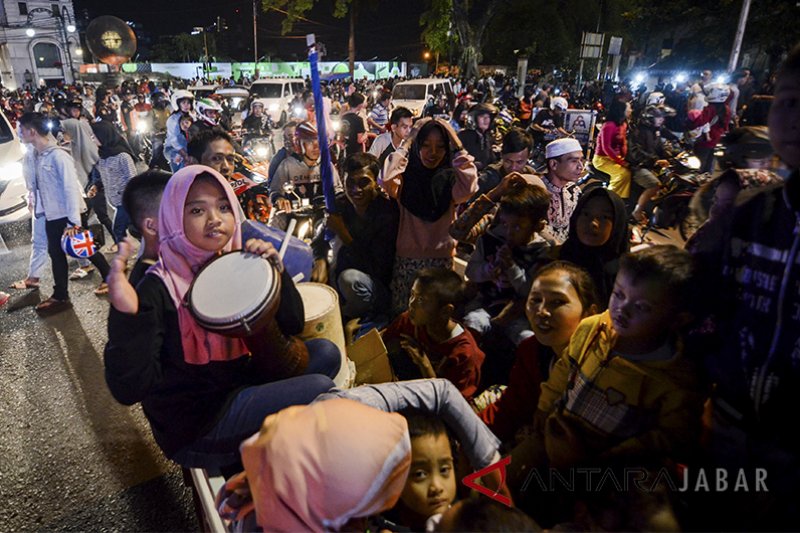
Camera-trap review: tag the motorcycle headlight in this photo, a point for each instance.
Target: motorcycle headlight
(336, 124)
(302, 230)
(273, 107)
(297, 111)
(141, 127)
(692, 162)
(261, 151)
(11, 171)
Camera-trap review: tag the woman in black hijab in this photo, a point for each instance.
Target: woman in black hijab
(598, 237)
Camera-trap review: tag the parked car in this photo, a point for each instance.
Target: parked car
(234, 101)
(415, 94)
(13, 193)
(276, 94)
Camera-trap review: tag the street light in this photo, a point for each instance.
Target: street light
(65, 24)
(30, 32)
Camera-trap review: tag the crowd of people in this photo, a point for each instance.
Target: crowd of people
(558, 345)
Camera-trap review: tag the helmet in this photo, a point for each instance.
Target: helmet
(304, 132)
(655, 98)
(653, 112)
(204, 105)
(750, 142)
(179, 95)
(717, 93)
(559, 102)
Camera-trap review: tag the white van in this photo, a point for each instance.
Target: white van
(414, 94)
(13, 193)
(276, 93)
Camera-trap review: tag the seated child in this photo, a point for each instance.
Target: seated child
(431, 484)
(201, 392)
(186, 122)
(426, 342)
(366, 224)
(141, 200)
(561, 296)
(625, 389)
(504, 261)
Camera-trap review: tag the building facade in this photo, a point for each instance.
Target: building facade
(39, 43)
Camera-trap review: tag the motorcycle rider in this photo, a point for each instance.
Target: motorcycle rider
(288, 142)
(646, 150)
(550, 121)
(257, 123)
(717, 116)
(300, 169)
(208, 115)
(175, 143)
(478, 140)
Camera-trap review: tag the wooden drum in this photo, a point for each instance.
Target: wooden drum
(237, 295)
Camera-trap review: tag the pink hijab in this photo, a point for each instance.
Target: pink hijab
(179, 260)
(315, 467)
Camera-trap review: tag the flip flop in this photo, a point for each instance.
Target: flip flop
(102, 290)
(51, 305)
(24, 284)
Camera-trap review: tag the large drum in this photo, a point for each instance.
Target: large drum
(324, 321)
(237, 295)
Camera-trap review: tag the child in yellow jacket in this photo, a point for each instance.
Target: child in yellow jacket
(624, 390)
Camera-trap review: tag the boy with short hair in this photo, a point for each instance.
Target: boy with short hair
(141, 200)
(505, 260)
(624, 388)
(425, 341)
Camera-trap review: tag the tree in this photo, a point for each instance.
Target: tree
(468, 20)
(297, 9)
(182, 47)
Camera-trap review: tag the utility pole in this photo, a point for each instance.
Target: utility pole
(737, 41)
(255, 36)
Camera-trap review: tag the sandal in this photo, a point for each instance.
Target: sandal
(23, 284)
(81, 272)
(102, 290)
(4, 297)
(52, 305)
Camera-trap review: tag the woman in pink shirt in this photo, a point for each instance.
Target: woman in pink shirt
(428, 176)
(612, 147)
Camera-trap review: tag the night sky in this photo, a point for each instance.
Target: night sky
(389, 32)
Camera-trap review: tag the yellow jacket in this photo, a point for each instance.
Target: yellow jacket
(624, 407)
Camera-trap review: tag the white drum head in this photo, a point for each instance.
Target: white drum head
(231, 288)
(318, 299)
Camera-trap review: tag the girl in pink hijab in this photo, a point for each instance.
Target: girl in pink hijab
(199, 390)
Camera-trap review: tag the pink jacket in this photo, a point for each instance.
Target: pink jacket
(417, 239)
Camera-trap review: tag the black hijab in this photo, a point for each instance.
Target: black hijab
(427, 193)
(601, 262)
(111, 141)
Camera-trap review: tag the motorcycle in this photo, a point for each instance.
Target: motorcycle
(671, 203)
(141, 141)
(309, 215)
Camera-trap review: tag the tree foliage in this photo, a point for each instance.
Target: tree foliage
(183, 47)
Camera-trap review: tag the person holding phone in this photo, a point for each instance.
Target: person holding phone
(428, 175)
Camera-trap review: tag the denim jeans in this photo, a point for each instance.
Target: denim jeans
(220, 446)
(362, 295)
(121, 222)
(480, 320)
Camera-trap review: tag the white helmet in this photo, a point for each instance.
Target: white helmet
(180, 94)
(207, 104)
(717, 93)
(655, 98)
(559, 102)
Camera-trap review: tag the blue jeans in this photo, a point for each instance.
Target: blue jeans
(362, 294)
(121, 222)
(220, 446)
(480, 321)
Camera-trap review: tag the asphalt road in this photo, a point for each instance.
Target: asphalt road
(71, 457)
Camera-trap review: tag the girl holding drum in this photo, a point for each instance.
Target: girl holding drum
(201, 391)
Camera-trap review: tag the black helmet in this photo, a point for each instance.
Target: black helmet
(653, 112)
(741, 144)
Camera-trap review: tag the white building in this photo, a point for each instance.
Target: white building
(38, 42)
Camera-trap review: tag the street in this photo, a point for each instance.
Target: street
(71, 457)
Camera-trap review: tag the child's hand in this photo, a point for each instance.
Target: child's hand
(414, 350)
(506, 184)
(121, 293)
(265, 250)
